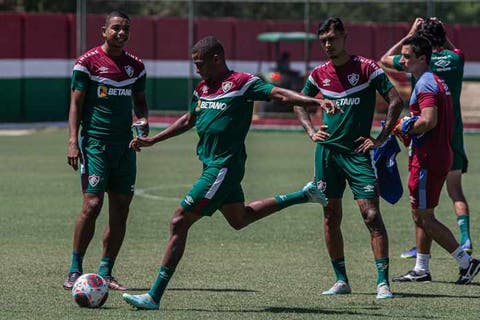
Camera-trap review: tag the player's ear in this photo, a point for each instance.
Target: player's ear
(104, 29)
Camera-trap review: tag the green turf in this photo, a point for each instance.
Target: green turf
(274, 269)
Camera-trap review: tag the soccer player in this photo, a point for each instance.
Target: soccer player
(430, 127)
(343, 145)
(447, 62)
(105, 82)
(221, 110)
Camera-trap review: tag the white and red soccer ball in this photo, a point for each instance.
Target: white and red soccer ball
(90, 291)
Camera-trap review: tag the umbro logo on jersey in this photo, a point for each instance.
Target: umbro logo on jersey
(93, 180)
(102, 70)
(353, 78)
(369, 188)
(226, 86)
(326, 82)
(129, 70)
(189, 200)
(442, 63)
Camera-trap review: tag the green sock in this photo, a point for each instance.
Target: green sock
(164, 275)
(289, 199)
(105, 267)
(77, 260)
(340, 270)
(464, 226)
(382, 270)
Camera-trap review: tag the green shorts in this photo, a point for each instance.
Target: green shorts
(215, 188)
(107, 167)
(460, 161)
(333, 169)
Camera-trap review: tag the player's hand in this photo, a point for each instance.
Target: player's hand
(139, 142)
(321, 134)
(397, 131)
(366, 144)
(74, 156)
(416, 24)
(330, 107)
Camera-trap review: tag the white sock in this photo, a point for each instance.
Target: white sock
(462, 257)
(422, 263)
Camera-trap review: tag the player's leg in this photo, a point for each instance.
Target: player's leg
(120, 187)
(332, 220)
(361, 177)
(460, 205)
(240, 215)
(94, 174)
(83, 234)
(113, 235)
(180, 223)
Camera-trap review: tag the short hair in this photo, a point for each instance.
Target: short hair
(331, 23)
(208, 47)
(433, 30)
(420, 46)
(115, 13)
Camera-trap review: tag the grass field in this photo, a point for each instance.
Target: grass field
(274, 269)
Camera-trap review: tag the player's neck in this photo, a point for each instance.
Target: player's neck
(112, 51)
(418, 73)
(341, 59)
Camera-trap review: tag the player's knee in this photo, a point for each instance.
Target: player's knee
(372, 219)
(91, 208)
(178, 224)
(331, 221)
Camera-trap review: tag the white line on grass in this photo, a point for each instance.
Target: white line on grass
(142, 193)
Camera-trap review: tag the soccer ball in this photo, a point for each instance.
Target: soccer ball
(90, 291)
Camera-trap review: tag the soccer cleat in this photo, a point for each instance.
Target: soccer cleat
(71, 278)
(339, 287)
(413, 276)
(467, 274)
(383, 291)
(467, 246)
(141, 301)
(114, 284)
(314, 194)
(409, 254)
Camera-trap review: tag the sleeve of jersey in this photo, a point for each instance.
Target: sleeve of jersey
(139, 85)
(80, 79)
(381, 81)
(258, 89)
(396, 62)
(310, 89)
(193, 103)
(426, 99)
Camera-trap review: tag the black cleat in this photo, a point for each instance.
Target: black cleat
(467, 274)
(413, 276)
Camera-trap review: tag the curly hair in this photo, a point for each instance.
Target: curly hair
(433, 30)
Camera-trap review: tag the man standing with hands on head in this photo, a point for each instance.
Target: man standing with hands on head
(105, 82)
(343, 146)
(430, 127)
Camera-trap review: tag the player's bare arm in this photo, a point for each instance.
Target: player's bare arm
(141, 111)
(183, 124)
(77, 99)
(304, 118)
(288, 96)
(395, 105)
(396, 49)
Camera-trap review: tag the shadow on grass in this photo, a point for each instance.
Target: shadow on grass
(199, 289)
